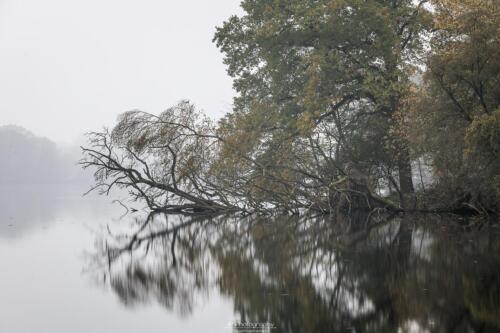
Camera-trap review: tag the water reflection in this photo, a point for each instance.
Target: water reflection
(312, 274)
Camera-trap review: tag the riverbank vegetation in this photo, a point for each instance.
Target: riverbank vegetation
(341, 105)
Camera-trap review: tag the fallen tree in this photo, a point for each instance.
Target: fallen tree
(179, 162)
(163, 160)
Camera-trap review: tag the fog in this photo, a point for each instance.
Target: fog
(67, 67)
(29, 159)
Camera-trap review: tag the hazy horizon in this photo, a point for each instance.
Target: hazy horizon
(28, 159)
(69, 67)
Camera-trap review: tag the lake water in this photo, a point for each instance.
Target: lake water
(78, 264)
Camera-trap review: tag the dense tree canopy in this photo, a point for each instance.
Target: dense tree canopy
(346, 64)
(340, 104)
(455, 117)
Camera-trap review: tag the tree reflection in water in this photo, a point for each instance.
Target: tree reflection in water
(314, 274)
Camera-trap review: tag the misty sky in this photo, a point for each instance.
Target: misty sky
(70, 66)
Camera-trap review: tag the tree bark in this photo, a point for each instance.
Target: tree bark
(405, 180)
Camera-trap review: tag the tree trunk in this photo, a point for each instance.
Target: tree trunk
(405, 180)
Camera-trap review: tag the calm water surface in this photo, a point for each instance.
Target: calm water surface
(73, 264)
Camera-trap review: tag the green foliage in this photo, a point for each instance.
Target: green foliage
(483, 136)
(455, 119)
(334, 90)
(344, 64)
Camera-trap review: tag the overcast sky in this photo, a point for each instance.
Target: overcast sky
(70, 66)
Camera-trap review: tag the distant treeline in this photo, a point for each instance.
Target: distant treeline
(28, 159)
